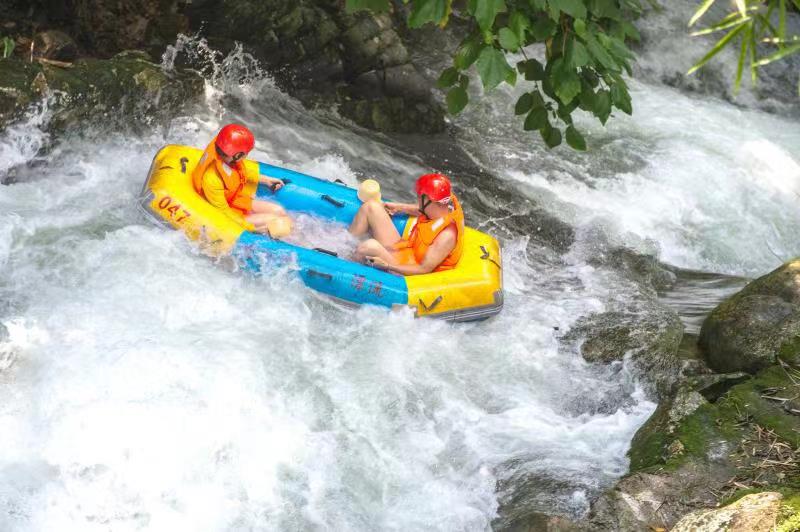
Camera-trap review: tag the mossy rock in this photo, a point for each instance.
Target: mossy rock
(126, 87)
(747, 331)
(706, 431)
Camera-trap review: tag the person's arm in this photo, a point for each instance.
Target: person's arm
(214, 191)
(442, 246)
(410, 209)
(271, 182)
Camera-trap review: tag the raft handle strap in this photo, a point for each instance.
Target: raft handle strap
(433, 305)
(487, 256)
(184, 160)
(333, 201)
(327, 252)
(315, 273)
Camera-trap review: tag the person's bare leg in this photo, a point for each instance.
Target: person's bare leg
(373, 218)
(267, 207)
(373, 248)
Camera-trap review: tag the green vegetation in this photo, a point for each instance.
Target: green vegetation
(8, 45)
(585, 56)
(751, 24)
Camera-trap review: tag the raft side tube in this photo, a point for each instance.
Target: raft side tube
(312, 195)
(329, 274)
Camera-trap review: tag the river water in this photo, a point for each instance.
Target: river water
(143, 386)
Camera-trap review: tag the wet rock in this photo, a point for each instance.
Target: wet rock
(648, 501)
(747, 331)
(126, 88)
(757, 512)
(54, 44)
(109, 26)
(650, 337)
(324, 55)
(543, 523)
(656, 441)
(393, 114)
(646, 270)
(691, 449)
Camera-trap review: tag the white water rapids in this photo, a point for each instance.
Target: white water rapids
(143, 387)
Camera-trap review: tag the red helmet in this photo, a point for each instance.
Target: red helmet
(233, 139)
(435, 186)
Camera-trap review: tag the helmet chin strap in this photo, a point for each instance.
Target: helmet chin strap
(423, 205)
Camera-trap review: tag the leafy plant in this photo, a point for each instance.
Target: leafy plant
(752, 22)
(8, 46)
(585, 56)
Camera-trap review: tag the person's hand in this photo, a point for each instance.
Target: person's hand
(377, 262)
(391, 208)
(275, 184)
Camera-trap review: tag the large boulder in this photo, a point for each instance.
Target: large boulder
(648, 336)
(746, 331)
(693, 449)
(757, 512)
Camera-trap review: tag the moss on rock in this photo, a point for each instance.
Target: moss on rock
(126, 87)
(746, 331)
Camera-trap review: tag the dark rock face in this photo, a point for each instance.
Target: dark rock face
(127, 86)
(746, 332)
(55, 44)
(323, 54)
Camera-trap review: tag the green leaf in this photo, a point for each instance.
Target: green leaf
(468, 52)
(511, 78)
(780, 54)
(524, 104)
(621, 98)
(492, 67)
(543, 28)
(781, 19)
(575, 139)
(519, 24)
(536, 119)
(485, 11)
(577, 55)
(551, 136)
(463, 81)
(716, 49)
(605, 9)
(447, 78)
(631, 31)
(508, 39)
(602, 105)
(566, 82)
(573, 8)
(580, 27)
(586, 97)
(532, 69)
(456, 100)
(538, 5)
(700, 11)
(425, 11)
(8, 46)
(352, 6)
(740, 64)
(600, 53)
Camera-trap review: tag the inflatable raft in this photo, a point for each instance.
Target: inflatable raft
(473, 290)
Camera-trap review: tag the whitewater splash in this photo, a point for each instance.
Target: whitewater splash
(145, 387)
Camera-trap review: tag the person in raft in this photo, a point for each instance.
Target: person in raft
(221, 177)
(435, 242)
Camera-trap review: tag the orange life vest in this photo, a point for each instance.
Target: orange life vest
(233, 178)
(425, 232)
